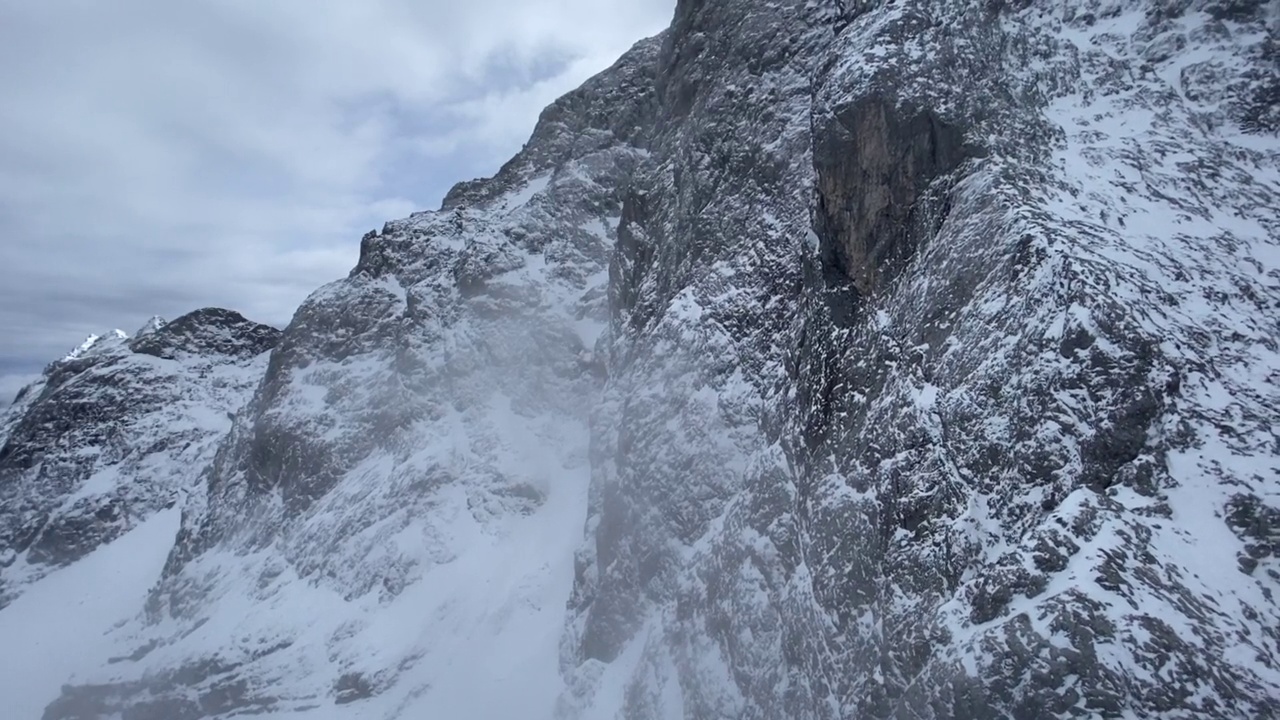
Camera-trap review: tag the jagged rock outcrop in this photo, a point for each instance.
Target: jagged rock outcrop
(115, 431)
(210, 332)
(920, 357)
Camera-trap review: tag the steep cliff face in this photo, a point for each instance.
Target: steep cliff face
(116, 431)
(898, 359)
(993, 471)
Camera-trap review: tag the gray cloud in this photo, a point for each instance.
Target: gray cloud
(156, 157)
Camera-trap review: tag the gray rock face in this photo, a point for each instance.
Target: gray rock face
(959, 477)
(873, 162)
(922, 358)
(115, 431)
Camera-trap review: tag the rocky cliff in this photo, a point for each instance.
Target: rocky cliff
(894, 359)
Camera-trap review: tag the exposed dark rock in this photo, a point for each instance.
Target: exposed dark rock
(875, 162)
(208, 332)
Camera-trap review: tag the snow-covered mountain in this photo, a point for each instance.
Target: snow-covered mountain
(115, 431)
(900, 359)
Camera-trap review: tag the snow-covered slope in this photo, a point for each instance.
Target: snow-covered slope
(64, 626)
(901, 359)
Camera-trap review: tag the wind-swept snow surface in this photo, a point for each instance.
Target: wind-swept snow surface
(483, 630)
(477, 635)
(70, 624)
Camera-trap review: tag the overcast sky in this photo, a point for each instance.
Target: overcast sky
(159, 156)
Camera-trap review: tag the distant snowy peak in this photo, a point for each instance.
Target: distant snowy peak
(97, 343)
(82, 348)
(155, 323)
(209, 331)
(115, 431)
